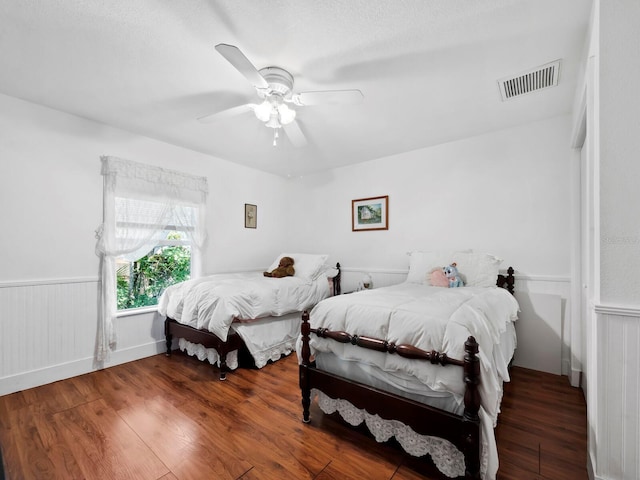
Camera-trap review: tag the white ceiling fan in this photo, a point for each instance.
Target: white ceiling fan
(274, 86)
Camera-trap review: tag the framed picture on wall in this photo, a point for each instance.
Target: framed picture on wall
(250, 216)
(370, 214)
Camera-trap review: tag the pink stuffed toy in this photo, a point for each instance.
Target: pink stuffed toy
(437, 278)
(445, 277)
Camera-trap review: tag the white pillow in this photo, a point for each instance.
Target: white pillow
(422, 263)
(306, 265)
(477, 269)
(328, 271)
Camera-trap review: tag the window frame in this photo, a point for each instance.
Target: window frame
(185, 242)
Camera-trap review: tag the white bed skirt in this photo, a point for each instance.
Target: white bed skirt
(267, 339)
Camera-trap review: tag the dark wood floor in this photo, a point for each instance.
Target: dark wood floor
(170, 418)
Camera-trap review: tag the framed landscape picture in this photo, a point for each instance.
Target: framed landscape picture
(250, 216)
(370, 214)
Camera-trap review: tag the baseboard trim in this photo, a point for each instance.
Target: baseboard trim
(43, 376)
(575, 378)
(590, 468)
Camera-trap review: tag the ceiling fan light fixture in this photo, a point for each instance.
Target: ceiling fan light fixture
(286, 114)
(273, 121)
(263, 111)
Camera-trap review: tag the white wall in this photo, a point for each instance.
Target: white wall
(619, 147)
(614, 371)
(51, 194)
(50, 206)
(506, 193)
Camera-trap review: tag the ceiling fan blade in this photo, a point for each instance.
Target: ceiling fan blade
(328, 97)
(295, 134)
(228, 113)
(236, 58)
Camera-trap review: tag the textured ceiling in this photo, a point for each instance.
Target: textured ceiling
(428, 69)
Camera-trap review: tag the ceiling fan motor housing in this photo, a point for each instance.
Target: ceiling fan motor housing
(280, 82)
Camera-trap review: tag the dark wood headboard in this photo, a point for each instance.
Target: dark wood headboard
(507, 281)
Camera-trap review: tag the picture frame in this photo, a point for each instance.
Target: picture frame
(250, 216)
(370, 214)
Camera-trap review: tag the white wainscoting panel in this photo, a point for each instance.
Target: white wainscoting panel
(539, 330)
(618, 406)
(49, 332)
(555, 286)
(46, 324)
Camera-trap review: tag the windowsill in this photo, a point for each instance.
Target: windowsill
(136, 311)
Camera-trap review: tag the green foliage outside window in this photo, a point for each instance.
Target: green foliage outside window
(141, 283)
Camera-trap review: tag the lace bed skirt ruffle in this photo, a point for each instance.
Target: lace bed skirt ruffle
(274, 353)
(446, 457)
(210, 354)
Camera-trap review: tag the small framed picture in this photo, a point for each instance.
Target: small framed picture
(370, 214)
(250, 216)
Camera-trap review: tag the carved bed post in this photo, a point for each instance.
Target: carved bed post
(507, 281)
(224, 368)
(306, 360)
(471, 420)
(167, 335)
(337, 281)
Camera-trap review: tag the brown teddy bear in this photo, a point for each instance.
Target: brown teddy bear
(285, 269)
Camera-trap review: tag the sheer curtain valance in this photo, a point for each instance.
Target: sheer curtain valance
(142, 202)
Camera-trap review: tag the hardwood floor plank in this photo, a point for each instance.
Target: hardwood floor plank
(105, 446)
(405, 473)
(170, 418)
(354, 465)
(24, 454)
(563, 461)
(169, 476)
(182, 439)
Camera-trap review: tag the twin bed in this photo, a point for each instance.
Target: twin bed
(422, 364)
(217, 316)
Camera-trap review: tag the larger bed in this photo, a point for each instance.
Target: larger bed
(217, 316)
(420, 363)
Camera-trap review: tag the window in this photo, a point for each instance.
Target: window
(141, 282)
(164, 256)
(150, 238)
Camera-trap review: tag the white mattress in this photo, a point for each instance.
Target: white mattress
(406, 385)
(214, 302)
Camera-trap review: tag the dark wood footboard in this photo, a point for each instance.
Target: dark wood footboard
(462, 431)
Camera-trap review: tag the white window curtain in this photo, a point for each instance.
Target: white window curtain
(142, 202)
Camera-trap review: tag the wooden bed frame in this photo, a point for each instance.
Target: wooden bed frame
(462, 431)
(173, 328)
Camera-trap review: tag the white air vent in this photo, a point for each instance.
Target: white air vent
(532, 80)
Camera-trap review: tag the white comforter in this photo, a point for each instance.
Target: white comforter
(429, 318)
(213, 302)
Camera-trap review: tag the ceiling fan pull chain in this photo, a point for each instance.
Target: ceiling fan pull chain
(275, 137)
